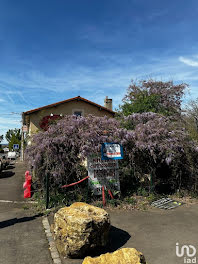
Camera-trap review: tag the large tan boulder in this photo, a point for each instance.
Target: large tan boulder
(80, 229)
(121, 256)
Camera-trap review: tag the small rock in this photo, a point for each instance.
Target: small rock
(121, 256)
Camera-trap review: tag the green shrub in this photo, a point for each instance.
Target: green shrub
(194, 194)
(130, 200)
(142, 192)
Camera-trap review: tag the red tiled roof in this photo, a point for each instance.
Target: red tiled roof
(77, 98)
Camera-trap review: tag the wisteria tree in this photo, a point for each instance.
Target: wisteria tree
(61, 149)
(150, 129)
(153, 96)
(155, 140)
(151, 112)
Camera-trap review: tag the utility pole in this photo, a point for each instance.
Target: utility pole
(22, 145)
(22, 139)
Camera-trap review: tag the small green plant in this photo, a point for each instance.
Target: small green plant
(180, 194)
(98, 204)
(194, 194)
(39, 197)
(25, 207)
(113, 202)
(143, 206)
(130, 200)
(57, 199)
(142, 192)
(46, 212)
(153, 197)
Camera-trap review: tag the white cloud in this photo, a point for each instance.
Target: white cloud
(189, 62)
(111, 76)
(6, 121)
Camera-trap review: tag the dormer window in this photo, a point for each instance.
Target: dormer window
(78, 112)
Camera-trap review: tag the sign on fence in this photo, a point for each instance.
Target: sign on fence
(102, 173)
(112, 151)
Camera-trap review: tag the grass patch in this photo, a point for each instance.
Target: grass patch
(26, 207)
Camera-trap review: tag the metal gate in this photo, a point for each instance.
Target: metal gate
(166, 203)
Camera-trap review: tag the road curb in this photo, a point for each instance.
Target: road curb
(52, 246)
(18, 202)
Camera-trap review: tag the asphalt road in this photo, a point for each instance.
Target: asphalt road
(156, 232)
(22, 239)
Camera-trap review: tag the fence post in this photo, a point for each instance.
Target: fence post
(47, 189)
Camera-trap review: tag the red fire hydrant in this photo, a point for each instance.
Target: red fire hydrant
(27, 185)
(26, 174)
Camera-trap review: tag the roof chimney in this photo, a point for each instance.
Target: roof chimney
(108, 103)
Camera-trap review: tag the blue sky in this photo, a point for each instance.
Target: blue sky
(52, 50)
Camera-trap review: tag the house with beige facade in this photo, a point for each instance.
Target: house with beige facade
(35, 120)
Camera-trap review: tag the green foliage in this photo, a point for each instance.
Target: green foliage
(129, 183)
(26, 207)
(113, 202)
(143, 206)
(98, 204)
(192, 128)
(143, 192)
(58, 199)
(194, 194)
(191, 119)
(13, 136)
(130, 200)
(12, 132)
(40, 199)
(153, 96)
(13, 141)
(143, 103)
(153, 197)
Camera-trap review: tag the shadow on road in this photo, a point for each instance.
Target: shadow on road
(117, 239)
(14, 221)
(6, 174)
